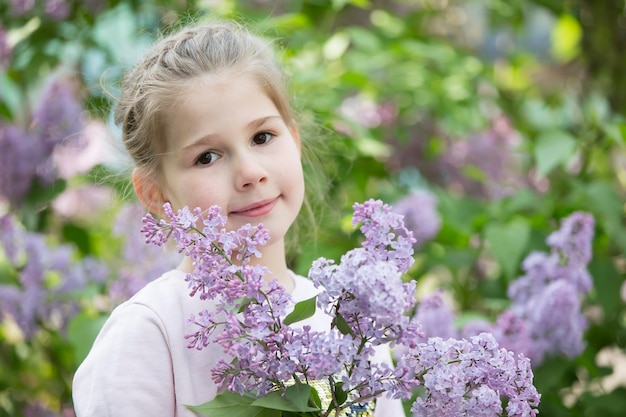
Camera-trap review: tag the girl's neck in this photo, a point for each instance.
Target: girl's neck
(273, 259)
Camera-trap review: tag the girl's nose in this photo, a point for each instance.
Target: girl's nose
(249, 172)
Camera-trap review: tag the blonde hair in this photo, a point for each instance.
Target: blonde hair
(150, 88)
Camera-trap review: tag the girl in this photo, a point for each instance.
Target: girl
(206, 117)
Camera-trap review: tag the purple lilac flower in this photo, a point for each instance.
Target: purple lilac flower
(247, 315)
(5, 49)
(46, 279)
(140, 262)
(27, 154)
(53, 9)
(545, 316)
(57, 9)
(436, 317)
(468, 377)
(19, 158)
(485, 164)
(548, 294)
(492, 153)
(366, 286)
(21, 7)
(419, 209)
(59, 114)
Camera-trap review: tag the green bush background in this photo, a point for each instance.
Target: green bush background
(448, 70)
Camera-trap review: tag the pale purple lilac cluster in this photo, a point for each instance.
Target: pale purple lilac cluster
(54, 9)
(436, 317)
(5, 49)
(45, 279)
(545, 316)
(139, 263)
(469, 378)
(26, 156)
(548, 295)
(486, 164)
(366, 298)
(419, 209)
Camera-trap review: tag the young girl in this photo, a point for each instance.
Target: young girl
(206, 117)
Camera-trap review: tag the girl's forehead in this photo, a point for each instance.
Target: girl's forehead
(216, 109)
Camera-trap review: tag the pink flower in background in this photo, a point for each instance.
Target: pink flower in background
(367, 112)
(79, 156)
(83, 202)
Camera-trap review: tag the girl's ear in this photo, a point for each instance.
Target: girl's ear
(149, 192)
(296, 135)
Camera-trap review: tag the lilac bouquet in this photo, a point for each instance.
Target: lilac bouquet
(276, 365)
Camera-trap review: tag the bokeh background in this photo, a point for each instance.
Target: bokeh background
(485, 122)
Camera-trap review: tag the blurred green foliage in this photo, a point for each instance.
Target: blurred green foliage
(545, 75)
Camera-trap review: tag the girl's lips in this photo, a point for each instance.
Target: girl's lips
(260, 208)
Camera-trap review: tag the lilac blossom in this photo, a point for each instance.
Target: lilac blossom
(469, 377)
(5, 49)
(549, 294)
(419, 209)
(21, 7)
(59, 114)
(53, 9)
(26, 155)
(436, 317)
(367, 301)
(139, 263)
(46, 279)
(57, 9)
(486, 164)
(19, 159)
(545, 315)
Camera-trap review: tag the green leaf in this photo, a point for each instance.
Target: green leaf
(508, 243)
(340, 395)
(231, 404)
(303, 310)
(299, 394)
(553, 148)
(295, 399)
(245, 302)
(342, 324)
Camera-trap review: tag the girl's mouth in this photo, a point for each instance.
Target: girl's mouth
(260, 208)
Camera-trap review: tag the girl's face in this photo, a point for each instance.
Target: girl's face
(227, 144)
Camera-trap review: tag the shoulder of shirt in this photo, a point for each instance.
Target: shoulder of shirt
(165, 293)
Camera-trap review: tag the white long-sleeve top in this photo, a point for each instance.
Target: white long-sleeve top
(139, 365)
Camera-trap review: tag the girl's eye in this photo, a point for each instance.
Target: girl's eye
(207, 158)
(262, 138)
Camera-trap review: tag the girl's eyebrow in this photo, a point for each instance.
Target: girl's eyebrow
(207, 139)
(259, 122)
